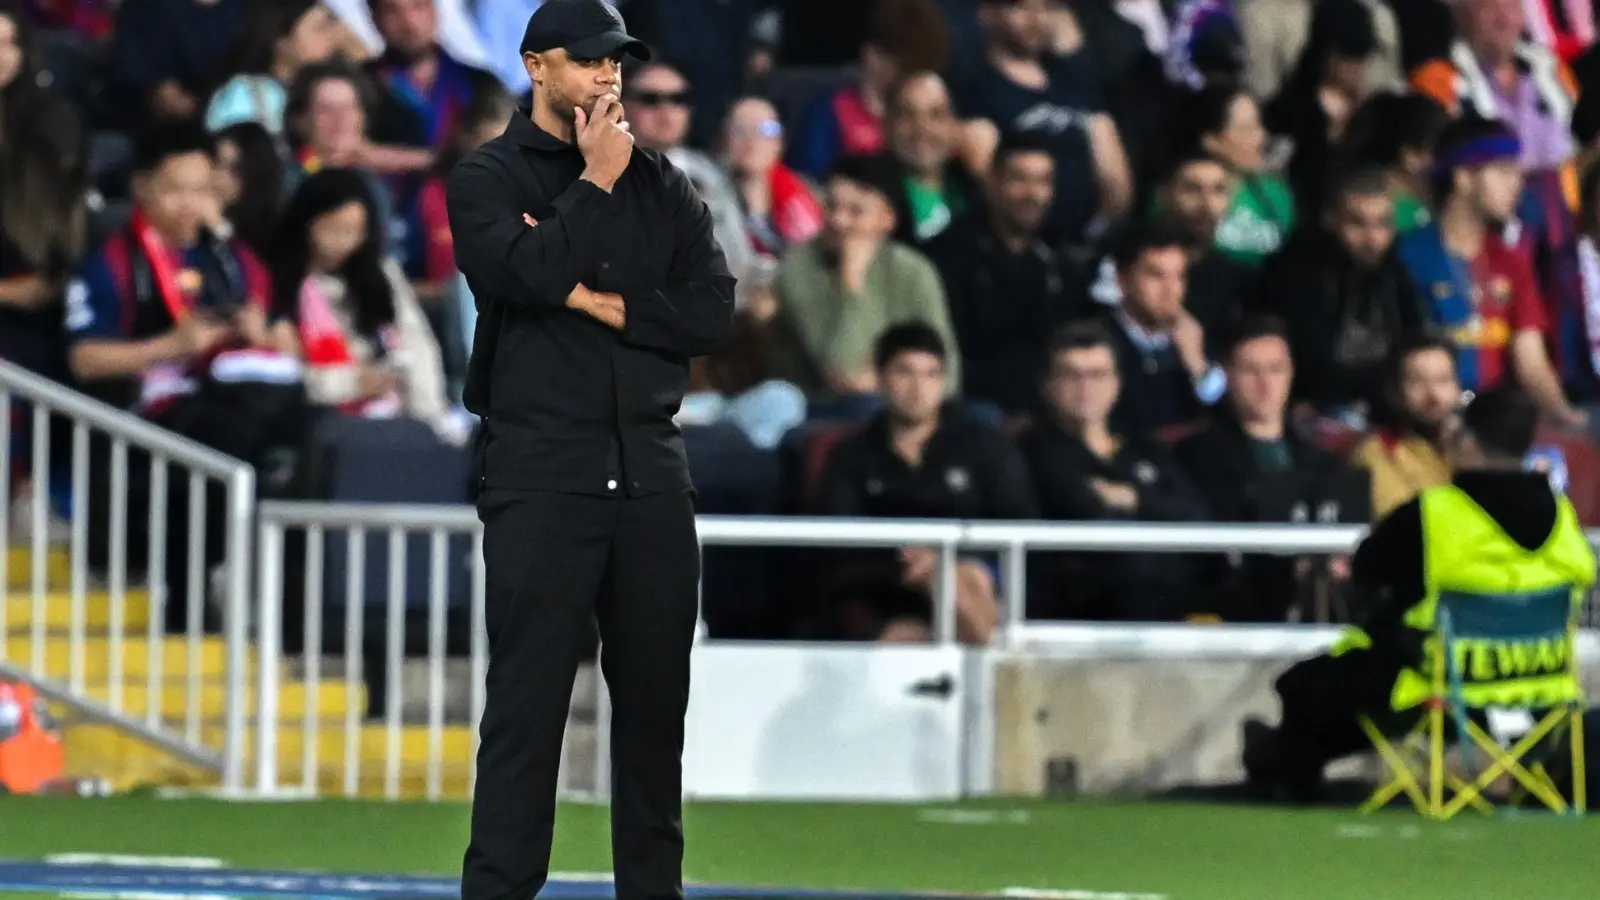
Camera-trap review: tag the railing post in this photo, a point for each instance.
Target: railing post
(241, 504)
(944, 598)
(271, 563)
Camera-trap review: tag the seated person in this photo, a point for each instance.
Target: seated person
(170, 322)
(920, 459)
(1347, 299)
(1167, 375)
(1493, 510)
(1480, 288)
(369, 348)
(1251, 466)
(1407, 455)
(1086, 472)
(837, 293)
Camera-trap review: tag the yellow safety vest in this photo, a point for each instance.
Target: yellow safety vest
(1465, 551)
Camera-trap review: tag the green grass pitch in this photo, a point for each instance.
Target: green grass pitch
(1167, 850)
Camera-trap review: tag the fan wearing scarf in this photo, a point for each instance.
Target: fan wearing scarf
(171, 322)
(164, 304)
(369, 350)
(1481, 290)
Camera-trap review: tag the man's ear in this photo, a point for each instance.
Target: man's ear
(534, 65)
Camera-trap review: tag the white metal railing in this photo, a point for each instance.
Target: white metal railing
(434, 772)
(202, 706)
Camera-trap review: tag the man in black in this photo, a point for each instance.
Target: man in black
(1007, 289)
(921, 458)
(597, 279)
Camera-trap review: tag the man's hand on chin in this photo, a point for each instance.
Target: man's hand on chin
(604, 307)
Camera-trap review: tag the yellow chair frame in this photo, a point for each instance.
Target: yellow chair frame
(1418, 756)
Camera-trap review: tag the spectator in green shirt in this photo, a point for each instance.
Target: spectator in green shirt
(1228, 123)
(837, 293)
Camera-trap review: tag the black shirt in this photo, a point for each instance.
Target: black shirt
(968, 471)
(1004, 307)
(1059, 115)
(568, 403)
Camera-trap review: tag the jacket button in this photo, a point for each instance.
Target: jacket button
(611, 485)
(605, 265)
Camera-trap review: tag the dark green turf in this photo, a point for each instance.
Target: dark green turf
(1186, 852)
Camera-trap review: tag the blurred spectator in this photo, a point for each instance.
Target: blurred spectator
(1409, 453)
(1206, 48)
(1085, 471)
(1024, 87)
(1252, 467)
(837, 293)
(423, 246)
(1346, 298)
(165, 293)
(1276, 33)
(902, 36)
(167, 52)
(44, 217)
(1166, 376)
(1397, 133)
(279, 38)
(1328, 84)
(1480, 289)
(920, 459)
(1226, 123)
(1007, 289)
(369, 350)
(249, 183)
(658, 100)
(427, 249)
(423, 89)
(1564, 27)
(173, 322)
(1196, 196)
(1493, 73)
(326, 123)
(930, 149)
(779, 207)
(1577, 342)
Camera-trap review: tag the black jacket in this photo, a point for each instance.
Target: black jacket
(1222, 460)
(1387, 567)
(1344, 322)
(969, 470)
(1108, 586)
(1004, 308)
(568, 403)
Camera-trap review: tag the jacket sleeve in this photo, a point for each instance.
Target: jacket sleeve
(692, 314)
(530, 267)
(1172, 498)
(1012, 495)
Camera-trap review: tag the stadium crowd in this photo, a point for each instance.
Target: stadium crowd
(1151, 260)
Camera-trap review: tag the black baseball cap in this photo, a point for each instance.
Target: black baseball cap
(587, 29)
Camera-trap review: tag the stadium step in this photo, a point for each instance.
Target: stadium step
(210, 656)
(19, 566)
(57, 610)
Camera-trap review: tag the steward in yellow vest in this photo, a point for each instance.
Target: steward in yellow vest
(1495, 530)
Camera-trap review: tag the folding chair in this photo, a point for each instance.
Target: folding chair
(1510, 627)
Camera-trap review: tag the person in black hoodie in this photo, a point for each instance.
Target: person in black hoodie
(1346, 298)
(1324, 696)
(1252, 466)
(1083, 471)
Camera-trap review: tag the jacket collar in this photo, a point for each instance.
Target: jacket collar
(524, 133)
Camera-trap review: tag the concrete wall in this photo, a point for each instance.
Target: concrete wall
(1134, 726)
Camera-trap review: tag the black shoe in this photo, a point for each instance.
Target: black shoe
(1260, 756)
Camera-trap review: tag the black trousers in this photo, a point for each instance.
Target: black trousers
(554, 562)
(1323, 700)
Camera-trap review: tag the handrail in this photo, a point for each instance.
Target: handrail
(825, 531)
(1164, 537)
(97, 712)
(69, 402)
